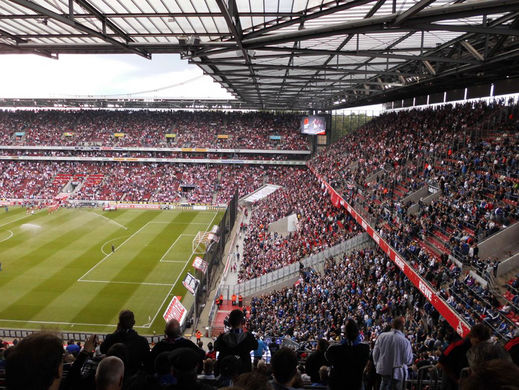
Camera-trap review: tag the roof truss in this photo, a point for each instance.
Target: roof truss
(278, 54)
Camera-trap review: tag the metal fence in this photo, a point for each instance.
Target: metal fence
(291, 271)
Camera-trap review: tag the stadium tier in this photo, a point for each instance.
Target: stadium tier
(181, 129)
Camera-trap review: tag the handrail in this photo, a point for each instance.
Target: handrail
(285, 273)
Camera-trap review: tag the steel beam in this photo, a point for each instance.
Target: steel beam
(72, 23)
(384, 22)
(417, 7)
(228, 12)
(15, 38)
(104, 20)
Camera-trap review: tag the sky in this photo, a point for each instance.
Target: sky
(33, 76)
(111, 75)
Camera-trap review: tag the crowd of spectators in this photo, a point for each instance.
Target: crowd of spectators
(387, 349)
(469, 154)
(366, 288)
(134, 182)
(191, 129)
(320, 225)
(153, 154)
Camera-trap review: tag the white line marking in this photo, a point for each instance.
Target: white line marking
(111, 253)
(65, 323)
(180, 223)
(111, 220)
(5, 239)
(178, 277)
(113, 239)
(122, 282)
(173, 261)
(172, 245)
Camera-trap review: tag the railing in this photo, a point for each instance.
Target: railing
(291, 271)
(77, 336)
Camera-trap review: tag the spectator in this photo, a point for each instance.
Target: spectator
(236, 341)
(495, 374)
(73, 348)
(35, 363)
(110, 374)
(454, 358)
(316, 360)
(172, 341)
(348, 359)
(392, 355)
(184, 366)
(253, 381)
(284, 369)
(138, 348)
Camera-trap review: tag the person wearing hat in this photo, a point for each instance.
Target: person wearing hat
(184, 367)
(236, 342)
(454, 358)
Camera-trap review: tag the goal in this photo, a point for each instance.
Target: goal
(201, 241)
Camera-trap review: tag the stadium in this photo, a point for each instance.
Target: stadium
(274, 194)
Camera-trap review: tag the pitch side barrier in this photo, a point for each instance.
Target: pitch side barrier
(452, 317)
(65, 336)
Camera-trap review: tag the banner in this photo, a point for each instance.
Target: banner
(19, 133)
(68, 134)
(275, 137)
(191, 283)
(452, 317)
(119, 135)
(171, 135)
(222, 136)
(175, 311)
(138, 206)
(200, 264)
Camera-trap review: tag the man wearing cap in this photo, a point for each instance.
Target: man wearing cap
(236, 341)
(392, 354)
(454, 358)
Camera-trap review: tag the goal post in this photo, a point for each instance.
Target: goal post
(200, 242)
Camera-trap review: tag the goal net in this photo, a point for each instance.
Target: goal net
(201, 241)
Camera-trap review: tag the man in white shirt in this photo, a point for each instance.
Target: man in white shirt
(392, 354)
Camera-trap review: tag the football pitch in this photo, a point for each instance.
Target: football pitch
(59, 271)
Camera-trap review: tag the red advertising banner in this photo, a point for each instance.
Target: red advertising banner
(200, 264)
(175, 311)
(457, 323)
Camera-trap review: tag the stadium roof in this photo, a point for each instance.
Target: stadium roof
(288, 54)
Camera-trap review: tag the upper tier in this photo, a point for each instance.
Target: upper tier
(189, 129)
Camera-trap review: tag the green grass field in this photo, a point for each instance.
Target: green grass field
(59, 272)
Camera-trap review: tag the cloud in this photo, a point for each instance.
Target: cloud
(73, 75)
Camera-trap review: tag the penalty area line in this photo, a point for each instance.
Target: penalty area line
(176, 280)
(123, 282)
